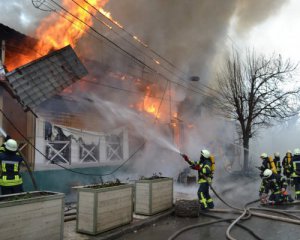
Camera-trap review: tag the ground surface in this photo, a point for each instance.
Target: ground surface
(235, 190)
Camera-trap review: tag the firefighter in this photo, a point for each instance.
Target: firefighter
(295, 172)
(286, 165)
(10, 179)
(277, 162)
(267, 163)
(275, 184)
(205, 168)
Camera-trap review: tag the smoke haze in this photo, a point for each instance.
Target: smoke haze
(191, 34)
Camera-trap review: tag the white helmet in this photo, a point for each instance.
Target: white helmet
(267, 173)
(297, 151)
(264, 155)
(205, 153)
(11, 145)
(276, 154)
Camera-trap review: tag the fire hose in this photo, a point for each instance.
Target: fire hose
(243, 216)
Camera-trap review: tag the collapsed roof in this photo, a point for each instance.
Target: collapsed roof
(37, 81)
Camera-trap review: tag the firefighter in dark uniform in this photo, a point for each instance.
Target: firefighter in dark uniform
(10, 179)
(275, 184)
(205, 175)
(286, 166)
(277, 162)
(295, 172)
(267, 163)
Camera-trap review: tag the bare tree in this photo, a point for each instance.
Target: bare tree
(255, 92)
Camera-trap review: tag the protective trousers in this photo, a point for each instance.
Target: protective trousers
(276, 197)
(204, 197)
(11, 189)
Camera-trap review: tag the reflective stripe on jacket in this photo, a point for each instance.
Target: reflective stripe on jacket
(273, 184)
(295, 166)
(10, 167)
(286, 164)
(205, 172)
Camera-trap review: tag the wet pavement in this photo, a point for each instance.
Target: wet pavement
(162, 226)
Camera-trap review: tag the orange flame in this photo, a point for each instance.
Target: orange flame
(151, 104)
(108, 15)
(55, 33)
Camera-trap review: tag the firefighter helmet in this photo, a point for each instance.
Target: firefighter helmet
(205, 153)
(11, 145)
(267, 173)
(264, 155)
(297, 151)
(276, 154)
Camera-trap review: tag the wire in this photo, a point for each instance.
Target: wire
(129, 54)
(68, 169)
(147, 47)
(132, 37)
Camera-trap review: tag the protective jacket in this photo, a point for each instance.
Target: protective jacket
(286, 164)
(295, 166)
(204, 169)
(274, 184)
(10, 167)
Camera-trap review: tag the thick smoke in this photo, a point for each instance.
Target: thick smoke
(190, 34)
(21, 15)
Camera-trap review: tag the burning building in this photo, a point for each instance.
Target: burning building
(64, 117)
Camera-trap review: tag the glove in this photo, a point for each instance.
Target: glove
(195, 167)
(185, 157)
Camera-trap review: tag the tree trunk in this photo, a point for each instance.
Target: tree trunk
(246, 154)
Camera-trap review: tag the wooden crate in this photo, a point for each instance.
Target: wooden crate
(102, 209)
(153, 196)
(39, 217)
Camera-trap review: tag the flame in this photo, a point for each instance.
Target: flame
(108, 15)
(151, 104)
(55, 33)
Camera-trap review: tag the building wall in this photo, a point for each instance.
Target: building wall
(73, 147)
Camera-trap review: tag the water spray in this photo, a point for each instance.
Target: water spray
(3, 133)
